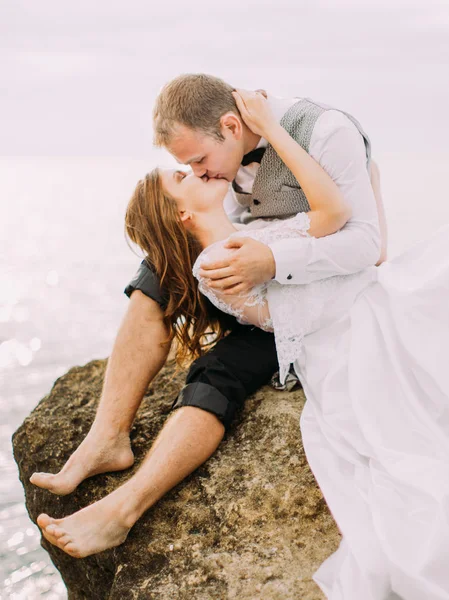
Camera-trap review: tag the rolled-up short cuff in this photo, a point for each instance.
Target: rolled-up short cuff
(205, 396)
(147, 282)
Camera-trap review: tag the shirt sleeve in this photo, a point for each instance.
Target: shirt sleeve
(339, 148)
(147, 282)
(231, 207)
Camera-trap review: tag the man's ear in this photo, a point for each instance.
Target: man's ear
(233, 123)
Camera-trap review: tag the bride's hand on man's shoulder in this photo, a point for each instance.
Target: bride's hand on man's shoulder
(255, 111)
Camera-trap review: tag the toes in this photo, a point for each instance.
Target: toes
(50, 526)
(51, 529)
(64, 540)
(53, 482)
(38, 475)
(41, 479)
(49, 538)
(58, 532)
(64, 543)
(43, 520)
(71, 549)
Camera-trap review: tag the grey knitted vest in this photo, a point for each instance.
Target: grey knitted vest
(276, 192)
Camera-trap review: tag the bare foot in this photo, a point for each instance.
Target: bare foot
(99, 452)
(97, 527)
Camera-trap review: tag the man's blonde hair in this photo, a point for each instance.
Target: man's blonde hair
(197, 101)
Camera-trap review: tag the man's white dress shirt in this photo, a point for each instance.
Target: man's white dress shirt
(337, 145)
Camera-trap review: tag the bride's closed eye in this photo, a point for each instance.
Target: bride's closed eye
(179, 175)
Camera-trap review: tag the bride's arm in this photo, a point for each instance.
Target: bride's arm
(340, 151)
(329, 210)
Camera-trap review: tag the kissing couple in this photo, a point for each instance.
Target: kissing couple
(268, 256)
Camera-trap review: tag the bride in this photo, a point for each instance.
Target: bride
(367, 348)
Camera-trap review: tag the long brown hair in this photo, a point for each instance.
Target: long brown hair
(152, 222)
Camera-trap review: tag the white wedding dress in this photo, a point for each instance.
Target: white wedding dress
(370, 352)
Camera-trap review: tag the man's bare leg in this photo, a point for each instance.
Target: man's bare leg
(189, 436)
(136, 358)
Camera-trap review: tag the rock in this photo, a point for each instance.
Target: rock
(251, 523)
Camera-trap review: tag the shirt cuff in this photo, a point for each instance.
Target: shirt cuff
(292, 259)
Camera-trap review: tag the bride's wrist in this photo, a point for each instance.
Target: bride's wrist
(271, 132)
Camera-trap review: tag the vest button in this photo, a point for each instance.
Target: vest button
(289, 276)
(256, 201)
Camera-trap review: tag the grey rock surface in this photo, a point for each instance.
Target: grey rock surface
(251, 523)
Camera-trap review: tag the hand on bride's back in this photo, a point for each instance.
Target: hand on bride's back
(255, 111)
(251, 263)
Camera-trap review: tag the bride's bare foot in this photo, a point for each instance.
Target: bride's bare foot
(99, 526)
(99, 452)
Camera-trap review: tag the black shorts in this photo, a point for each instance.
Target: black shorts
(234, 368)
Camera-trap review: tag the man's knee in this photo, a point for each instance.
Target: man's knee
(200, 418)
(221, 380)
(212, 387)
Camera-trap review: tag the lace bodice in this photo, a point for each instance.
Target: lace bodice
(290, 311)
(249, 309)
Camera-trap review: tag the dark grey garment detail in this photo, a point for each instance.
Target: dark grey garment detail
(276, 192)
(291, 381)
(205, 396)
(238, 190)
(237, 366)
(147, 282)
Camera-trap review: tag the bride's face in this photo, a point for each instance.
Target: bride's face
(193, 194)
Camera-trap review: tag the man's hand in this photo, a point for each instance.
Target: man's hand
(252, 263)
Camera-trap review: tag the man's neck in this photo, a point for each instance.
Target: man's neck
(250, 140)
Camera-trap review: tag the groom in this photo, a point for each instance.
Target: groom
(196, 118)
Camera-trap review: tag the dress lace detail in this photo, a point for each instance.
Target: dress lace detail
(277, 229)
(281, 301)
(296, 311)
(249, 309)
(291, 311)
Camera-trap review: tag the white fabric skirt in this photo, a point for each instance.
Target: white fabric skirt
(375, 429)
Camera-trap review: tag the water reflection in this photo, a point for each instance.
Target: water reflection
(25, 573)
(13, 352)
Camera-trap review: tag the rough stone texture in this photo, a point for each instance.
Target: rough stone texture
(249, 524)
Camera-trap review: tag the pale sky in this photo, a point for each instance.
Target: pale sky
(80, 78)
